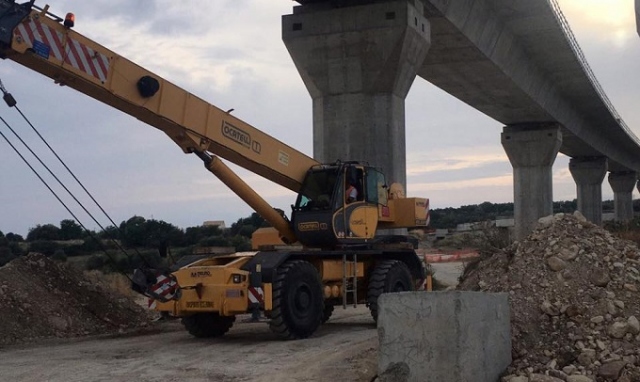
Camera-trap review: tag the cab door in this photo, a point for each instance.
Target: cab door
(355, 221)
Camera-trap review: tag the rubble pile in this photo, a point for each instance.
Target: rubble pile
(575, 302)
(40, 298)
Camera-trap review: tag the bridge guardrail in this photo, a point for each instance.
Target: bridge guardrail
(564, 25)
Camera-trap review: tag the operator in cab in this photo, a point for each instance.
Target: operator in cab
(351, 193)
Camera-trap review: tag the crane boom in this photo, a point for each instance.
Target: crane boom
(42, 42)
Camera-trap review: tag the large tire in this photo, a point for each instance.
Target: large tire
(388, 276)
(207, 325)
(326, 313)
(298, 301)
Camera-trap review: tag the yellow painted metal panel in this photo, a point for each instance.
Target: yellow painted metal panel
(268, 296)
(333, 270)
(407, 212)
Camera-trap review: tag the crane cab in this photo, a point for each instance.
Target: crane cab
(338, 205)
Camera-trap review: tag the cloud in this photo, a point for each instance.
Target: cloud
(611, 20)
(471, 184)
(455, 159)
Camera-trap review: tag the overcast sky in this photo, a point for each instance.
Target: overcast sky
(231, 54)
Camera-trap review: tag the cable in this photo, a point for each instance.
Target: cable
(67, 168)
(83, 188)
(70, 193)
(56, 195)
(12, 103)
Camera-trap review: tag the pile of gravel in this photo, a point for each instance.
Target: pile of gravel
(41, 298)
(574, 298)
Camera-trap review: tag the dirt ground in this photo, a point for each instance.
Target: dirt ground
(344, 349)
(448, 273)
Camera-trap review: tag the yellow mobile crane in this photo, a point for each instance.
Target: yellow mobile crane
(339, 260)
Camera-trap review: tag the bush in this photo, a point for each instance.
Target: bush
(5, 256)
(17, 249)
(74, 250)
(247, 230)
(214, 241)
(44, 233)
(627, 231)
(95, 262)
(60, 256)
(45, 247)
(241, 243)
(13, 237)
(91, 245)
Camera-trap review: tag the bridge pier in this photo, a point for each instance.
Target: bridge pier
(358, 63)
(531, 149)
(588, 173)
(622, 184)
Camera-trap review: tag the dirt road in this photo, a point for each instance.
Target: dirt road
(344, 349)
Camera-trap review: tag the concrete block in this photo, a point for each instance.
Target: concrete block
(443, 336)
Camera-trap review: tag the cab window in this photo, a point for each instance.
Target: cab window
(317, 190)
(376, 191)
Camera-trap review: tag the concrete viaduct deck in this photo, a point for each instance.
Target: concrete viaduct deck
(515, 61)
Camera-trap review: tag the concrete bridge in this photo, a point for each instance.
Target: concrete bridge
(516, 61)
(638, 16)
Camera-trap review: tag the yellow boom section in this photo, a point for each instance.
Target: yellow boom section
(48, 47)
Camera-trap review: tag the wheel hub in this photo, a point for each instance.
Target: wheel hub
(303, 299)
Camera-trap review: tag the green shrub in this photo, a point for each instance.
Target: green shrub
(214, 241)
(95, 262)
(5, 256)
(59, 255)
(46, 247)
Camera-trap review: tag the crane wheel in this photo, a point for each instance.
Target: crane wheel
(208, 325)
(326, 313)
(388, 276)
(298, 301)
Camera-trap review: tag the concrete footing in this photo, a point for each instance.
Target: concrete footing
(622, 184)
(358, 63)
(531, 149)
(588, 173)
(443, 336)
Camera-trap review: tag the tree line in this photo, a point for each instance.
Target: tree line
(150, 239)
(451, 217)
(154, 240)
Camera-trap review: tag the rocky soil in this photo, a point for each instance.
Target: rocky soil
(575, 303)
(40, 298)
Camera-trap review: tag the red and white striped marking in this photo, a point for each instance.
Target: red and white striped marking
(151, 304)
(164, 286)
(256, 295)
(69, 51)
(428, 214)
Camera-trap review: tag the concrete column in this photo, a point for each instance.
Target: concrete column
(358, 63)
(622, 184)
(532, 149)
(588, 173)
